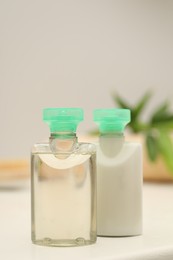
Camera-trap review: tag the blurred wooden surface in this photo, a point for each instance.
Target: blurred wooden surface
(14, 169)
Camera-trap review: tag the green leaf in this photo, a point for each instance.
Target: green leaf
(120, 101)
(152, 147)
(165, 124)
(161, 113)
(138, 127)
(166, 149)
(138, 109)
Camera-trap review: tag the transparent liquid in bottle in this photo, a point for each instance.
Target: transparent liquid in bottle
(63, 196)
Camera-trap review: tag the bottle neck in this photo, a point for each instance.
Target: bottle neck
(63, 135)
(111, 143)
(63, 142)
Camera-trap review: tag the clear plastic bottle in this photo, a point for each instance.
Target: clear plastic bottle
(119, 176)
(63, 184)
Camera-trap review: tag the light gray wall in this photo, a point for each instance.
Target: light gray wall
(75, 53)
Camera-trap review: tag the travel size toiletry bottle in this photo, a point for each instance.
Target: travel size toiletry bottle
(63, 182)
(119, 176)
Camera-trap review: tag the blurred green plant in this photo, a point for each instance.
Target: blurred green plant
(156, 131)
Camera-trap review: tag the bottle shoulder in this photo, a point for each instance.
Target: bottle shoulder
(41, 147)
(129, 151)
(127, 144)
(83, 153)
(80, 148)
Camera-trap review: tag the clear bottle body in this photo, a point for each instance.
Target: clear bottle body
(119, 187)
(63, 187)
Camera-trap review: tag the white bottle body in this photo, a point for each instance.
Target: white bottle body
(119, 187)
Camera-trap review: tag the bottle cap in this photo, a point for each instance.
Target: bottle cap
(112, 120)
(62, 119)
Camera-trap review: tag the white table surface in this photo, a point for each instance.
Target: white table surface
(155, 243)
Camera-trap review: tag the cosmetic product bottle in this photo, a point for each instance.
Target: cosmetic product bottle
(63, 183)
(119, 176)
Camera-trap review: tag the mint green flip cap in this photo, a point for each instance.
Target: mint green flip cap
(112, 120)
(62, 119)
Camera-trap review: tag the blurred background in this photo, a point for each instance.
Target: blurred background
(75, 54)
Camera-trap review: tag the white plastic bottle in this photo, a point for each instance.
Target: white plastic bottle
(119, 176)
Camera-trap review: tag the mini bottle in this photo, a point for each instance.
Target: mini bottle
(119, 176)
(63, 183)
